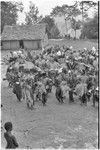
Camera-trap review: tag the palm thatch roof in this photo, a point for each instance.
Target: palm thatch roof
(24, 32)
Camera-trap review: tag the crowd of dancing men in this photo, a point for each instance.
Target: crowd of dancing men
(73, 68)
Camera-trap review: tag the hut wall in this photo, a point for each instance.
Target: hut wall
(10, 45)
(32, 44)
(6, 45)
(14, 45)
(39, 44)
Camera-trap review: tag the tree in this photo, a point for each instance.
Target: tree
(67, 11)
(9, 13)
(84, 7)
(61, 11)
(54, 32)
(49, 22)
(51, 28)
(90, 28)
(74, 13)
(32, 16)
(76, 25)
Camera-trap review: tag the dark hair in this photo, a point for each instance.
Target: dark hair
(8, 126)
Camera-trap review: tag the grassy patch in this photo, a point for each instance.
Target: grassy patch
(77, 44)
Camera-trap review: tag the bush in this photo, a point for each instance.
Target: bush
(90, 29)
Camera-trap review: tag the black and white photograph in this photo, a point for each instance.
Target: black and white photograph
(49, 74)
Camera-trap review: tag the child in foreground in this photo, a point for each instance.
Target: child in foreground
(11, 140)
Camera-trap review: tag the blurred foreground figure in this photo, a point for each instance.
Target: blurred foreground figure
(11, 140)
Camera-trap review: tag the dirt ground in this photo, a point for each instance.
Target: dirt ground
(52, 126)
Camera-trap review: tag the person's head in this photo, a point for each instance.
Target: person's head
(8, 126)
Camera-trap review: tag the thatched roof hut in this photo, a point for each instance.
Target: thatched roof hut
(24, 36)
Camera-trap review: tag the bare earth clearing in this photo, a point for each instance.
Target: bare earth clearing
(70, 125)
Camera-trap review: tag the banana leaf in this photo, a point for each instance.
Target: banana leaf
(28, 65)
(81, 89)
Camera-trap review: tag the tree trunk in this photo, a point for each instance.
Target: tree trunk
(71, 99)
(75, 28)
(66, 25)
(82, 16)
(75, 34)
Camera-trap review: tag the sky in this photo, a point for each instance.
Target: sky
(44, 6)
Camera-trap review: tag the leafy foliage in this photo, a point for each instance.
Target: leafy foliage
(9, 13)
(84, 7)
(60, 10)
(75, 24)
(32, 16)
(81, 88)
(90, 28)
(67, 11)
(55, 32)
(52, 30)
(50, 23)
